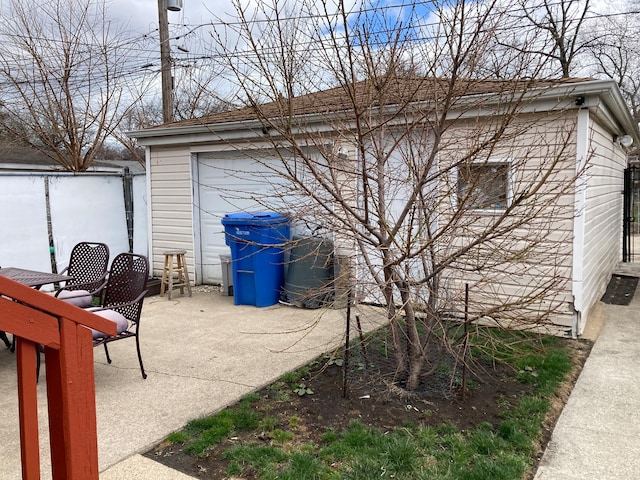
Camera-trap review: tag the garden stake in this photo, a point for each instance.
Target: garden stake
(345, 363)
(466, 339)
(363, 346)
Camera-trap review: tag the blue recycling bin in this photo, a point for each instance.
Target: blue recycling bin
(257, 242)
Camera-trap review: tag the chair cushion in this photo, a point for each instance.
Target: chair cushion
(79, 298)
(120, 320)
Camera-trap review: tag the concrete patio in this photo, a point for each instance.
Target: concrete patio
(200, 353)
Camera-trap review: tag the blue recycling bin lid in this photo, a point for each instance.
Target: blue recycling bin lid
(254, 218)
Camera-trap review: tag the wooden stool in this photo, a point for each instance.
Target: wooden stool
(181, 270)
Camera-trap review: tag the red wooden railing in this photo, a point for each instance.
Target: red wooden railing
(36, 318)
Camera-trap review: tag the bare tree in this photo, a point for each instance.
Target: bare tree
(141, 114)
(423, 170)
(549, 29)
(117, 151)
(614, 50)
(191, 100)
(61, 69)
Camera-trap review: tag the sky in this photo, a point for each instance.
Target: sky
(141, 16)
(192, 48)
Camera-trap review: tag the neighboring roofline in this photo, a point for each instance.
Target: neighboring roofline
(603, 97)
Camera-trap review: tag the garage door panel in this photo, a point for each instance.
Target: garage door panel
(228, 185)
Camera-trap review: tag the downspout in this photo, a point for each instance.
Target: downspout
(147, 167)
(127, 184)
(579, 222)
(198, 259)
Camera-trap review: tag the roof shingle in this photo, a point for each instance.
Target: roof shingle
(386, 90)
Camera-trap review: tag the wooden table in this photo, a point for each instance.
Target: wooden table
(33, 278)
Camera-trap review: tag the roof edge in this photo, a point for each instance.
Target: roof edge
(247, 130)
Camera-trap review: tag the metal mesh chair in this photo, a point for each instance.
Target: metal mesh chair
(5, 339)
(88, 267)
(122, 299)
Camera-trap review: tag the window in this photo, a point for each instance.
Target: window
(484, 186)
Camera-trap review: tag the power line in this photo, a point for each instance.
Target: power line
(140, 68)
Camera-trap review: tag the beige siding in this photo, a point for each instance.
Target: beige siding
(524, 289)
(543, 278)
(601, 246)
(172, 225)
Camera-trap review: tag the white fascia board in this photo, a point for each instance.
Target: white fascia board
(191, 134)
(612, 107)
(246, 130)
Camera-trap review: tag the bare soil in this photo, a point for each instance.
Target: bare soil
(372, 400)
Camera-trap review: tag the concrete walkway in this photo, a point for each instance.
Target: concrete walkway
(597, 436)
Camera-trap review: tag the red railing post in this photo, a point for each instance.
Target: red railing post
(72, 409)
(28, 409)
(39, 319)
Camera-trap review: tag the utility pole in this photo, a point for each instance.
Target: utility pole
(165, 63)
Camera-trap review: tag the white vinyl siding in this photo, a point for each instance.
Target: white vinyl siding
(602, 210)
(548, 266)
(171, 206)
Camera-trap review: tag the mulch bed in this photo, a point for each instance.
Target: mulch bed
(620, 290)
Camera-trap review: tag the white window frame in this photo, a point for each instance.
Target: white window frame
(510, 182)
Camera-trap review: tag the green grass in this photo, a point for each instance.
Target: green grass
(204, 432)
(409, 452)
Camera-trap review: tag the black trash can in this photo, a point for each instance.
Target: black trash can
(309, 278)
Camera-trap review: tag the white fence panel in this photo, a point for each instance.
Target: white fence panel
(87, 208)
(23, 223)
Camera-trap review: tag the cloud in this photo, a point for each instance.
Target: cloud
(141, 16)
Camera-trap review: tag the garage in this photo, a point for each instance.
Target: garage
(228, 182)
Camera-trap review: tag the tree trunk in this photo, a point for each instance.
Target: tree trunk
(416, 354)
(394, 318)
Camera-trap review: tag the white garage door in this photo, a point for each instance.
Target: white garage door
(229, 183)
